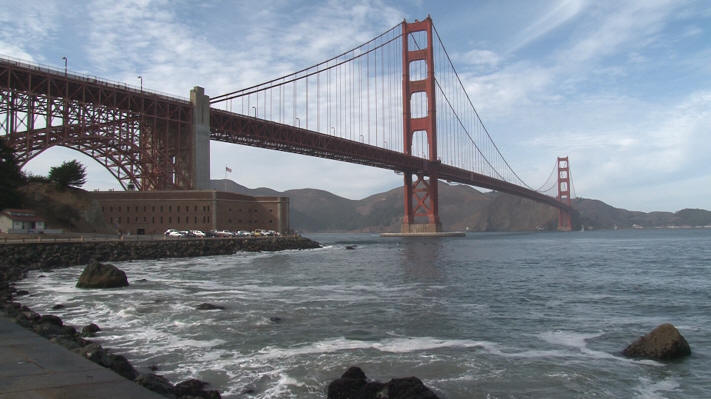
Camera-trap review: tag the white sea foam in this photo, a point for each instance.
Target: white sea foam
(281, 387)
(648, 389)
(567, 338)
(392, 345)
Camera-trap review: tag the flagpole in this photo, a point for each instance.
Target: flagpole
(225, 181)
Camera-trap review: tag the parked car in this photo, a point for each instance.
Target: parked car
(174, 233)
(167, 232)
(197, 233)
(224, 233)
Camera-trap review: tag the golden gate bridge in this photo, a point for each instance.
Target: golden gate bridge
(395, 102)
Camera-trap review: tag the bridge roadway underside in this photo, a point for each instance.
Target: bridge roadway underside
(240, 129)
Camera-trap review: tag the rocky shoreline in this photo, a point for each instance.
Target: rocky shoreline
(48, 255)
(18, 259)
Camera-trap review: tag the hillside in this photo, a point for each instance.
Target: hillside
(461, 208)
(71, 210)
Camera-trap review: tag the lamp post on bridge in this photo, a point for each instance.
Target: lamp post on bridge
(298, 121)
(141, 79)
(255, 111)
(65, 66)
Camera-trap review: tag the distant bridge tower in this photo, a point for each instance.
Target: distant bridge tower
(564, 193)
(421, 197)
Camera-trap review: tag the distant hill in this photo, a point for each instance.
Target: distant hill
(461, 208)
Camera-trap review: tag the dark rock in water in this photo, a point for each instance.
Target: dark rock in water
(90, 330)
(121, 366)
(51, 319)
(21, 293)
(156, 383)
(195, 388)
(58, 306)
(663, 343)
(408, 388)
(143, 280)
(275, 319)
(350, 247)
(95, 353)
(353, 384)
(209, 306)
(348, 386)
(102, 275)
(355, 373)
(69, 331)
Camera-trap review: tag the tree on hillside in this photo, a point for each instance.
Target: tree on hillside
(10, 177)
(69, 174)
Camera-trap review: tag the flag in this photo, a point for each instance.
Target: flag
(228, 170)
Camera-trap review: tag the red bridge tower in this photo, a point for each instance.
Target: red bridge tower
(564, 193)
(420, 197)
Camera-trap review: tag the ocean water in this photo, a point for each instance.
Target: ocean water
(534, 315)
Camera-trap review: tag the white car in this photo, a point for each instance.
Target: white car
(167, 232)
(197, 233)
(173, 234)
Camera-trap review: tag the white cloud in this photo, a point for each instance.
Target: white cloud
(480, 57)
(557, 15)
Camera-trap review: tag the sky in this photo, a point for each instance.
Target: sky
(621, 88)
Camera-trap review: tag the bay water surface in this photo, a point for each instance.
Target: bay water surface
(529, 315)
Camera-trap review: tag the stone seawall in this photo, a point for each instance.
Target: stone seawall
(60, 254)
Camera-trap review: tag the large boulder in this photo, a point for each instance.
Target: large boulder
(348, 386)
(156, 383)
(663, 343)
(102, 275)
(90, 330)
(353, 384)
(195, 388)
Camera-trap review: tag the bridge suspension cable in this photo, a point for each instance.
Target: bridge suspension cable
(462, 124)
(357, 95)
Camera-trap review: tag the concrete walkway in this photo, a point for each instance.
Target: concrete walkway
(33, 367)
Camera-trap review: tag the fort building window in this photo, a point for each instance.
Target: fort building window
(170, 219)
(161, 219)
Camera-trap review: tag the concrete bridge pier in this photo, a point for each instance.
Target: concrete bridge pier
(200, 139)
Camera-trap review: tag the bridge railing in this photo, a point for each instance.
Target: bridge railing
(86, 77)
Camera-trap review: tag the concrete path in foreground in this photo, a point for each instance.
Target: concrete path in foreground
(33, 367)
